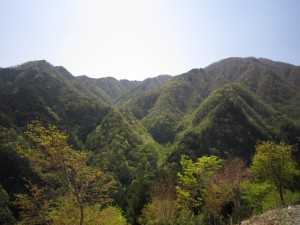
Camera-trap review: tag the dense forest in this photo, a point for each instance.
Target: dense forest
(210, 146)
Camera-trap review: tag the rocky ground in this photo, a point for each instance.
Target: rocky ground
(285, 216)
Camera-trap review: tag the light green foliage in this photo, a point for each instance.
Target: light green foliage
(193, 178)
(123, 146)
(53, 159)
(274, 162)
(256, 193)
(66, 214)
(159, 211)
(162, 209)
(109, 216)
(271, 201)
(186, 217)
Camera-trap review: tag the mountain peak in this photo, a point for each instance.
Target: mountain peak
(35, 63)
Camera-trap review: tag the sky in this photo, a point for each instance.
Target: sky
(138, 39)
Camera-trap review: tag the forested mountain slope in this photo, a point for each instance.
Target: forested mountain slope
(229, 123)
(82, 106)
(137, 129)
(38, 90)
(275, 82)
(162, 109)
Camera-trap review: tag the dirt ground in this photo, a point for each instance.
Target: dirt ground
(285, 216)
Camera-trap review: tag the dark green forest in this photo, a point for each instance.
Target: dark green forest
(214, 145)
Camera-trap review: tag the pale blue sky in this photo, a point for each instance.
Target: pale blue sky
(136, 39)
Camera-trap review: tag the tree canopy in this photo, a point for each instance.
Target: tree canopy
(56, 162)
(275, 163)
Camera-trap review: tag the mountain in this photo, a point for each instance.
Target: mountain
(276, 83)
(83, 107)
(163, 108)
(229, 123)
(109, 87)
(138, 130)
(38, 90)
(123, 146)
(116, 91)
(142, 87)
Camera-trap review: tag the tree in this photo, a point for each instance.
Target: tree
(215, 197)
(234, 173)
(53, 159)
(274, 162)
(193, 178)
(94, 214)
(227, 186)
(6, 216)
(162, 209)
(35, 206)
(255, 193)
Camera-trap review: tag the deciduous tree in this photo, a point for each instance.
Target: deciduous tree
(227, 187)
(52, 158)
(193, 178)
(274, 162)
(162, 209)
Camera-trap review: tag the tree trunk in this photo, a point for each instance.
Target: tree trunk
(81, 214)
(238, 211)
(281, 194)
(80, 206)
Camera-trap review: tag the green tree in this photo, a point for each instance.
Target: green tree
(193, 178)
(53, 159)
(6, 216)
(274, 162)
(66, 214)
(255, 193)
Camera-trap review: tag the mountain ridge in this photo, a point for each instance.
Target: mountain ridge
(138, 130)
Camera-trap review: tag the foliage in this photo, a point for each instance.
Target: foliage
(12, 167)
(51, 157)
(233, 175)
(192, 180)
(35, 207)
(256, 193)
(227, 187)
(127, 149)
(110, 216)
(6, 216)
(65, 213)
(274, 162)
(130, 154)
(134, 198)
(222, 110)
(186, 217)
(162, 209)
(159, 212)
(215, 197)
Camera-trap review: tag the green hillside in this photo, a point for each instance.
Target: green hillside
(138, 131)
(123, 146)
(229, 123)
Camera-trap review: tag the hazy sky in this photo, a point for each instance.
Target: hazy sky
(136, 39)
